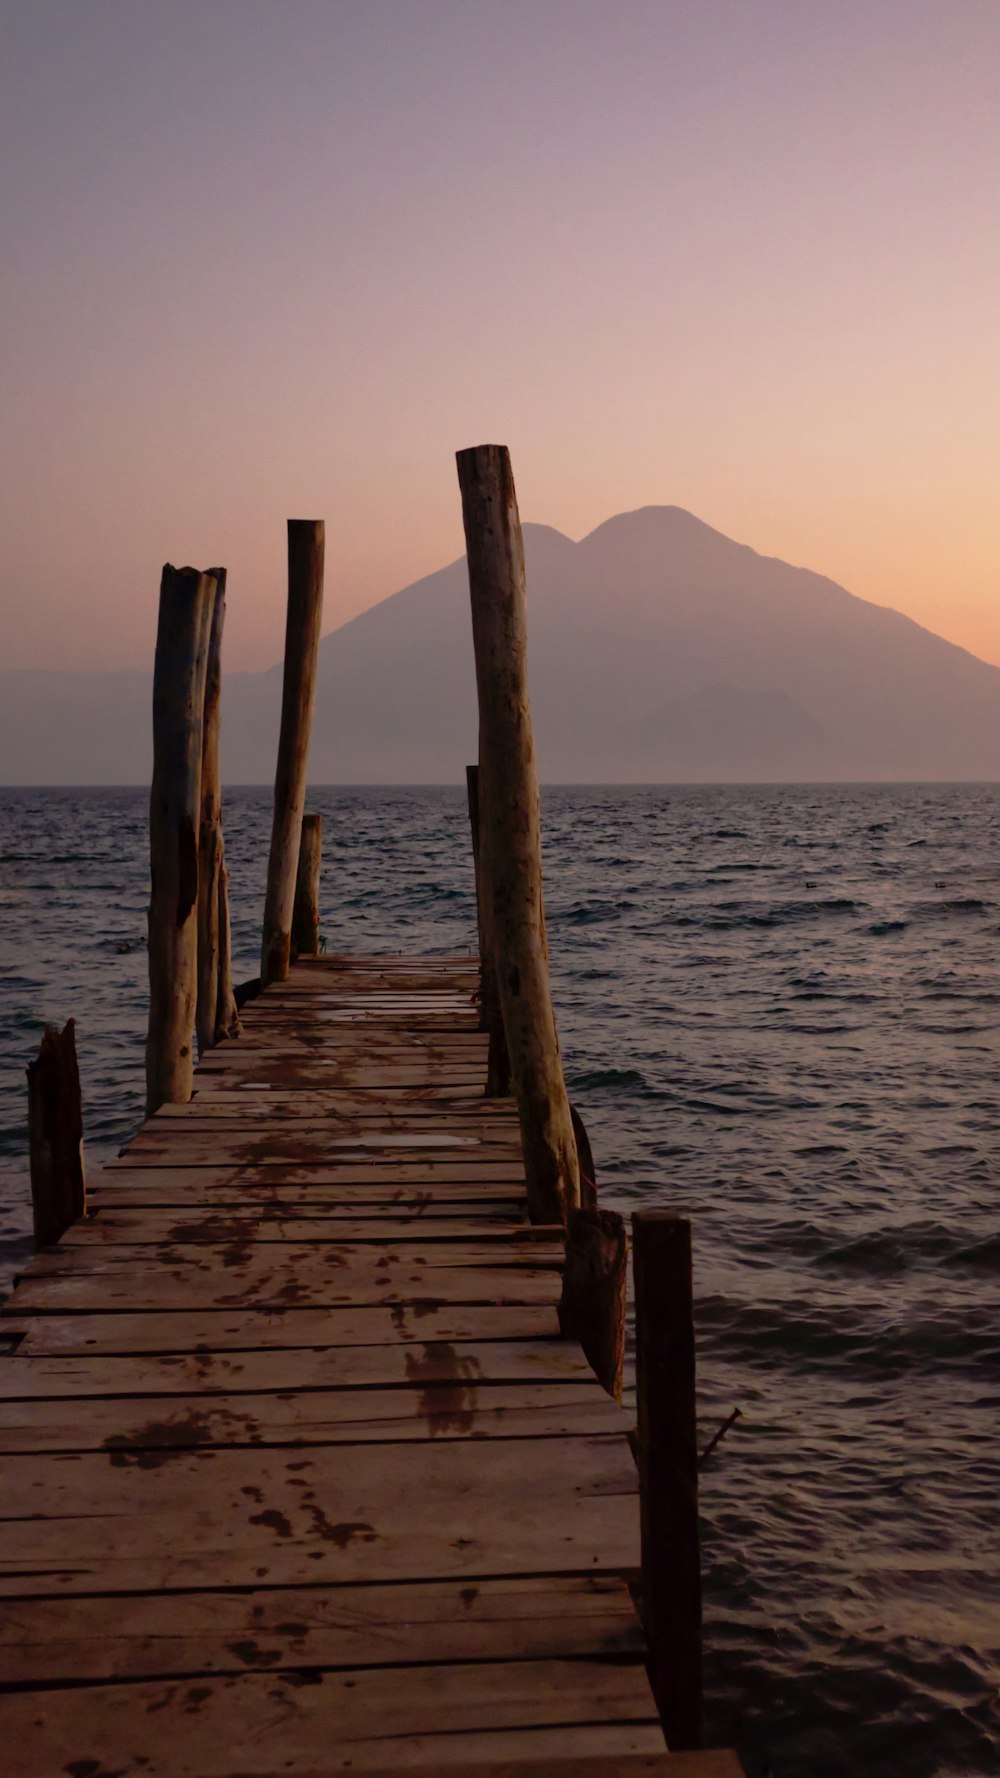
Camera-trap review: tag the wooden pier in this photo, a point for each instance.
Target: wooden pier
(299, 1475)
(311, 1452)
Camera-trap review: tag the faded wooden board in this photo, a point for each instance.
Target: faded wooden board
(244, 1254)
(235, 1517)
(130, 1427)
(169, 1286)
(304, 1142)
(112, 1226)
(282, 1329)
(395, 1176)
(113, 1223)
(252, 1726)
(357, 1367)
(555, 1617)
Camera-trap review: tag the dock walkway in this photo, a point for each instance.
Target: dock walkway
(298, 1475)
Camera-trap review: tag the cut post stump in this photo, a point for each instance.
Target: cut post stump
(55, 1135)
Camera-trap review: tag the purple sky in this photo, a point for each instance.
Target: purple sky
(282, 257)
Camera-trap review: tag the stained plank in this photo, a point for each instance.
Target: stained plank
(251, 1726)
(524, 1618)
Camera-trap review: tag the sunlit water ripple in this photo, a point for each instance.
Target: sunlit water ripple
(779, 1010)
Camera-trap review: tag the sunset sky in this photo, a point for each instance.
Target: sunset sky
(282, 257)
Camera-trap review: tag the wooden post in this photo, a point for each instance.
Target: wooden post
(592, 1306)
(215, 1014)
(667, 1456)
(55, 1136)
(510, 836)
(227, 1013)
(187, 599)
(490, 1012)
(306, 550)
(305, 912)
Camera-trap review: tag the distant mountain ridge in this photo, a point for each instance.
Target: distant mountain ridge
(659, 651)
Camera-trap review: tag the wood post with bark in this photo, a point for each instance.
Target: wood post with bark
(55, 1136)
(592, 1306)
(216, 1016)
(306, 549)
(490, 1011)
(187, 600)
(667, 1457)
(510, 836)
(305, 911)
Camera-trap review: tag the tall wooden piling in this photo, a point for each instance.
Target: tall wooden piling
(667, 1456)
(216, 1016)
(305, 911)
(490, 1010)
(55, 1136)
(306, 551)
(510, 833)
(187, 599)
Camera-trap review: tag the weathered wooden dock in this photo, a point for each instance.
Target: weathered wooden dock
(312, 1458)
(299, 1475)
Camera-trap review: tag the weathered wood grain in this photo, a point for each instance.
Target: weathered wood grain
(525, 1618)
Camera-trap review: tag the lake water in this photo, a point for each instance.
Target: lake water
(780, 1011)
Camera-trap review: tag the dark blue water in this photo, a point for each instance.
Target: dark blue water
(780, 1012)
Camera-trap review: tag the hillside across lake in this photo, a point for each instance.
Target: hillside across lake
(661, 651)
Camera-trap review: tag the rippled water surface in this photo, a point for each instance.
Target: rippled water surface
(780, 1012)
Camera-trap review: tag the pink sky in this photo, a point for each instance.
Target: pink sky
(272, 259)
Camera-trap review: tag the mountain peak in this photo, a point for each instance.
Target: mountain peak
(660, 650)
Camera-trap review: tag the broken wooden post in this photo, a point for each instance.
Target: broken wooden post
(510, 836)
(215, 1015)
(592, 1305)
(55, 1136)
(305, 910)
(667, 1457)
(490, 1012)
(187, 599)
(306, 549)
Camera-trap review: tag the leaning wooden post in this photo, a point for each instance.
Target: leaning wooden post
(214, 1018)
(667, 1456)
(592, 1306)
(306, 549)
(305, 911)
(55, 1136)
(510, 834)
(187, 599)
(490, 1013)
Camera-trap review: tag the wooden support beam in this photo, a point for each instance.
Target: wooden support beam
(490, 1010)
(510, 833)
(305, 912)
(215, 1016)
(187, 599)
(667, 1456)
(306, 551)
(55, 1136)
(592, 1306)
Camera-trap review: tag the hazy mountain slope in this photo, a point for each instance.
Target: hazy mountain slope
(658, 649)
